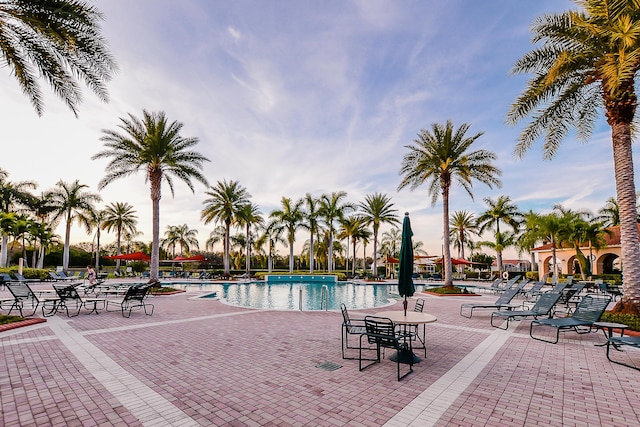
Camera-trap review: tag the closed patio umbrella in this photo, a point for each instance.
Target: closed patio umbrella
(405, 269)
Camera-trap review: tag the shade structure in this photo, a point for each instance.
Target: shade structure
(455, 261)
(405, 268)
(195, 258)
(135, 256)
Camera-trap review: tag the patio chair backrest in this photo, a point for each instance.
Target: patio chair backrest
(511, 282)
(569, 280)
(5, 277)
(67, 293)
(575, 289)
(506, 296)
(522, 284)
(345, 316)
(419, 307)
(559, 287)
(21, 291)
(137, 293)
(545, 303)
(496, 282)
(591, 308)
(381, 331)
(537, 286)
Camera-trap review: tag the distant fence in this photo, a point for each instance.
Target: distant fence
(300, 278)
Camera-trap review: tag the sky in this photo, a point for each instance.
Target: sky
(295, 97)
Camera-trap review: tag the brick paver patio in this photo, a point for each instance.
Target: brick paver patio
(201, 362)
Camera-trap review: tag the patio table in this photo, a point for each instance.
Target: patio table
(411, 318)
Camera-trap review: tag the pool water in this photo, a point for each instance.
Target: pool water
(286, 296)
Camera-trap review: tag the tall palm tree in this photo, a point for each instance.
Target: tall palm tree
(225, 201)
(440, 157)
(271, 235)
(547, 228)
(312, 224)
(502, 210)
(289, 217)
(249, 215)
(121, 217)
(332, 210)
(463, 226)
(377, 209)
(13, 197)
(390, 244)
(155, 146)
(353, 228)
(73, 203)
(216, 236)
(609, 214)
(585, 62)
(94, 219)
(187, 239)
(58, 40)
(170, 240)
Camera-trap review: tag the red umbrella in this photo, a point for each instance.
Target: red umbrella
(135, 256)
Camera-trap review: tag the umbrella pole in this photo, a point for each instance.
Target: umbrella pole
(404, 304)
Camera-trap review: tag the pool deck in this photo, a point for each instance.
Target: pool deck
(200, 362)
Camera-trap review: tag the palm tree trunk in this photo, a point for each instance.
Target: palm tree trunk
(4, 253)
(626, 193)
(248, 252)
(311, 257)
(119, 250)
(448, 271)
(353, 267)
(41, 256)
(330, 260)
(375, 252)
(156, 182)
(290, 255)
(65, 251)
(98, 251)
(225, 261)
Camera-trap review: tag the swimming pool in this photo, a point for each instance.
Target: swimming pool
(286, 296)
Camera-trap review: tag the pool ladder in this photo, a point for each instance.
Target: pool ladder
(324, 298)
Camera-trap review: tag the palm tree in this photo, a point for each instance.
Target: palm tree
(58, 40)
(122, 218)
(610, 212)
(502, 241)
(170, 240)
(333, 209)
(271, 235)
(156, 147)
(73, 203)
(377, 209)
(249, 215)
(13, 196)
(355, 228)
(94, 219)
(390, 244)
(216, 236)
(463, 226)
(187, 239)
(547, 228)
(438, 158)
(289, 218)
(499, 211)
(311, 223)
(225, 201)
(584, 62)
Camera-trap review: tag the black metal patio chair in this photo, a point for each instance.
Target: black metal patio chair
(133, 298)
(588, 311)
(503, 302)
(350, 327)
(380, 331)
(543, 307)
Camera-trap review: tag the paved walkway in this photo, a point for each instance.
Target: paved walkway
(201, 362)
